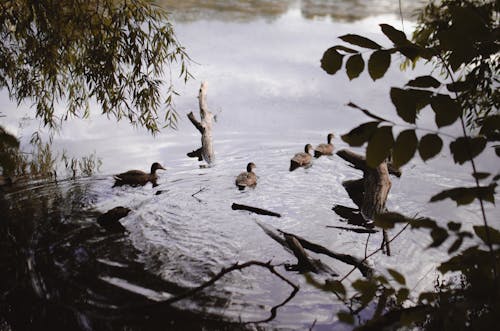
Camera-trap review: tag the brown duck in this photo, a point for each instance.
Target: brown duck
(325, 149)
(302, 159)
(247, 178)
(138, 177)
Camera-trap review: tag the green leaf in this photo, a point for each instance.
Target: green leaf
(408, 102)
(465, 195)
(456, 245)
(360, 41)
(412, 52)
(480, 231)
(425, 223)
(366, 288)
(447, 110)
(397, 276)
(388, 219)
(402, 295)
(396, 36)
(378, 63)
(481, 175)
(335, 286)
(438, 235)
(429, 146)
(346, 317)
(331, 61)
(404, 148)
(379, 146)
(458, 86)
(368, 113)
(490, 127)
(424, 82)
(359, 135)
(466, 148)
(354, 66)
(454, 226)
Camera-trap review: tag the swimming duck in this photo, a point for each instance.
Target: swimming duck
(301, 159)
(325, 149)
(247, 178)
(138, 177)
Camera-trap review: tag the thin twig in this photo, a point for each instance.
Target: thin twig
(366, 244)
(376, 251)
(200, 190)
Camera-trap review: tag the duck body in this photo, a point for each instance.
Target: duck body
(138, 177)
(324, 149)
(301, 159)
(248, 178)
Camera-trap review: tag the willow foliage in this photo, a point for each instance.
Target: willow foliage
(69, 52)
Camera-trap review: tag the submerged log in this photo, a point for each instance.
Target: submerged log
(206, 151)
(256, 210)
(357, 230)
(365, 270)
(280, 236)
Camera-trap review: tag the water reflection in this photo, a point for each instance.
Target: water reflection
(235, 10)
(61, 271)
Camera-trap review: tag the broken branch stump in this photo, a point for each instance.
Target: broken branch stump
(204, 126)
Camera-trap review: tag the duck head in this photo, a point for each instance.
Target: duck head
(308, 148)
(155, 166)
(251, 166)
(330, 137)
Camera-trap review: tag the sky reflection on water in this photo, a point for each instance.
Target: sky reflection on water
(271, 97)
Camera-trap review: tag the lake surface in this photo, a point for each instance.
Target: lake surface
(265, 84)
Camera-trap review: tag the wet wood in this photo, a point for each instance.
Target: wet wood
(293, 245)
(357, 230)
(376, 188)
(369, 193)
(204, 126)
(359, 162)
(365, 270)
(279, 236)
(260, 211)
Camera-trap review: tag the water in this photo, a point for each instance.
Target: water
(271, 98)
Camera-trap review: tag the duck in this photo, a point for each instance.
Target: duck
(138, 177)
(247, 178)
(325, 149)
(302, 159)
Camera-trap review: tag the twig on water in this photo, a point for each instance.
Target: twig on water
(376, 251)
(199, 191)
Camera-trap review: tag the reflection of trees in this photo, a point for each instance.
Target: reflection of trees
(237, 10)
(39, 161)
(55, 258)
(191, 10)
(352, 10)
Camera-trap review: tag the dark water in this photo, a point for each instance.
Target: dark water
(61, 270)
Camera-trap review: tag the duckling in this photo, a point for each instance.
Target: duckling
(247, 178)
(325, 149)
(138, 177)
(302, 159)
